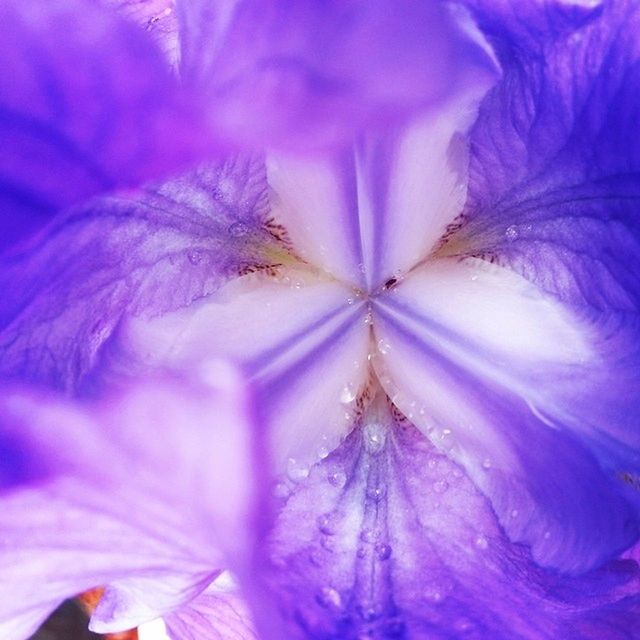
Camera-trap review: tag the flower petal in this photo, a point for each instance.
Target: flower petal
(158, 18)
(151, 252)
(388, 538)
(85, 104)
(101, 509)
(372, 211)
(308, 75)
(219, 613)
(301, 339)
(484, 366)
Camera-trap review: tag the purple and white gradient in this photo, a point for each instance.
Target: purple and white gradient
(320, 320)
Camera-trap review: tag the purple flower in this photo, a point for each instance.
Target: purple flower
(320, 319)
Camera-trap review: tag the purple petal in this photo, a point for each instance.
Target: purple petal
(86, 101)
(306, 74)
(302, 339)
(217, 614)
(554, 182)
(373, 210)
(388, 538)
(154, 251)
(158, 18)
(102, 510)
(482, 365)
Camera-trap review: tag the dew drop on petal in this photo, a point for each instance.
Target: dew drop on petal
(383, 346)
(329, 598)
(440, 486)
(375, 437)
(281, 490)
(511, 233)
(238, 229)
(195, 256)
(486, 463)
(382, 551)
(326, 525)
(348, 394)
(296, 471)
(482, 542)
(376, 494)
(337, 479)
(368, 535)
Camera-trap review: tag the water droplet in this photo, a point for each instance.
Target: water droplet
(440, 486)
(281, 490)
(323, 452)
(432, 463)
(367, 613)
(547, 535)
(511, 233)
(327, 524)
(348, 394)
(514, 513)
(383, 346)
(328, 544)
(195, 256)
(368, 535)
(238, 229)
(482, 542)
(464, 625)
(375, 437)
(329, 598)
(486, 463)
(296, 471)
(337, 479)
(382, 551)
(368, 317)
(433, 594)
(376, 494)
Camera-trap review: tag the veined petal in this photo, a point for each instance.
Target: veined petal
(307, 75)
(100, 510)
(388, 538)
(303, 341)
(493, 372)
(130, 602)
(372, 211)
(219, 613)
(86, 101)
(150, 252)
(554, 182)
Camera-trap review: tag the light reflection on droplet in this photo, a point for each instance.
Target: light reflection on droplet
(238, 229)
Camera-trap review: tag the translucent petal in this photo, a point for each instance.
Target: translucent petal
(305, 75)
(99, 509)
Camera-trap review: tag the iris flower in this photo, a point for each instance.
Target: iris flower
(319, 320)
